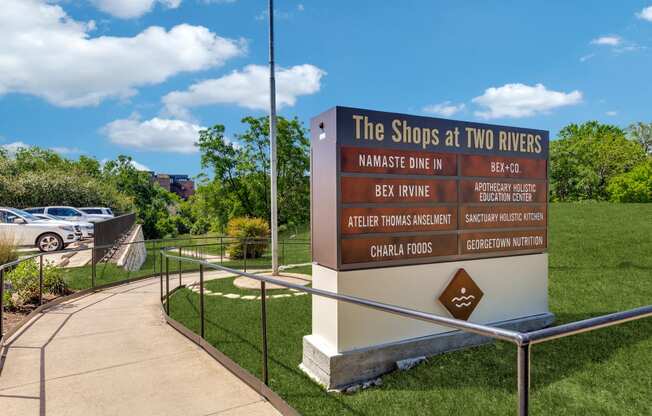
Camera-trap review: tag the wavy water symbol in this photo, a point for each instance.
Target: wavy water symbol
(462, 299)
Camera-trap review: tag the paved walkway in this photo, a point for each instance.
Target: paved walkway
(111, 353)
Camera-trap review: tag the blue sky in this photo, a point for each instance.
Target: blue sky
(140, 77)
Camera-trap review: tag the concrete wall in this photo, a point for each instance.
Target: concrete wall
(134, 255)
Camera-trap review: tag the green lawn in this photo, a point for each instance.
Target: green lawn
(600, 262)
(294, 248)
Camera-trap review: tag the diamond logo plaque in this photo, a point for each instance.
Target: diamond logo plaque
(461, 296)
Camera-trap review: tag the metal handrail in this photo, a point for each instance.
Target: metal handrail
(156, 245)
(523, 340)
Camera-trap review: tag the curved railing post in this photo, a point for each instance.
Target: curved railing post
(179, 266)
(2, 303)
(161, 273)
(40, 280)
(263, 320)
(245, 254)
(523, 369)
(201, 299)
(93, 267)
(167, 285)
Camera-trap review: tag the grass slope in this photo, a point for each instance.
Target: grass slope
(600, 262)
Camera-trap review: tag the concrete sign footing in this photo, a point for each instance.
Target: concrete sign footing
(337, 371)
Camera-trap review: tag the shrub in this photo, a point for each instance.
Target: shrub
(201, 226)
(243, 229)
(24, 281)
(166, 228)
(8, 251)
(182, 224)
(633, 186)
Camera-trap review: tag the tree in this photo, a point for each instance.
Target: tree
(586, 156)
(150, 200)
(633, 186)
(642, 133)
(241, 172)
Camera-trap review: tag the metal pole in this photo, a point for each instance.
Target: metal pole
(93, 267)
(523, 379)
(201, 299)
(167, 286)
(40, 280)
(161, 274)
(283, 255)
(221, 250)
(263, 319)
(245, 255)
(2, 297)
(272, 142)
(179, 267)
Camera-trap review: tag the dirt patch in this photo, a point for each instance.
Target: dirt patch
(10, 320)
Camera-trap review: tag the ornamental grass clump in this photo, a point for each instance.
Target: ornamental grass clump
(8, 251)
(250, 231)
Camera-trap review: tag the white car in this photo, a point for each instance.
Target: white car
(24, 229)
(69, 214)
(86, 229)
(97, 211)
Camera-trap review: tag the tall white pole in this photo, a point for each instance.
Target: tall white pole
(272, 141)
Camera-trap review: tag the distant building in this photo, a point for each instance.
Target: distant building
(181, 185)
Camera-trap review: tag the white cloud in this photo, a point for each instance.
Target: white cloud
(301, 7)
(611, 40)
(66, 150)
(129, 9)
(519, 100)
(587, 57)
(247, 88)
(645, 14)
(43, 52)
(13, 147)
(445, 109)
(612, 113)
(139, 166)
(156, 134)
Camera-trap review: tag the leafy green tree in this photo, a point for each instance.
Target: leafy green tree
(241, 172)
(642, 133)
(632, 186)
(586, 156)
(150, 200)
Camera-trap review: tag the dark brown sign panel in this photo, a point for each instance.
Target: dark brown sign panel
(390, 189)
(365, 250)
(364, 160)
(503, 167)
(493, 242)
(397, 220)
(461, 296)
(499, 191)
(361, 189)
(503, 216)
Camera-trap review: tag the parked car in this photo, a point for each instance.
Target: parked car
(24, 229)
(97, 211)
(69, 214)
(86, 229)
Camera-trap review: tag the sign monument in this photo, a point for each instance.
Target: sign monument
(436, 215)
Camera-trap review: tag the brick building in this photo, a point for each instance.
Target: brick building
(181, 185)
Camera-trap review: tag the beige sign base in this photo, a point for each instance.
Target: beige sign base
(351, 343)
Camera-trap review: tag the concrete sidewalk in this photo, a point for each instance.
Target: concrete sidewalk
(111, 353)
